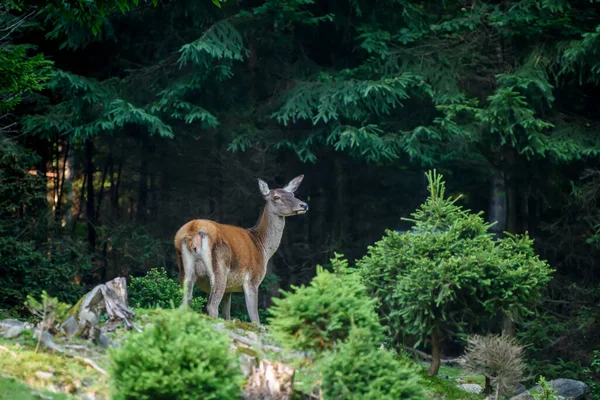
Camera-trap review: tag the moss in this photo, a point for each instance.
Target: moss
(74, 311)
(12, 389)
(68, 374)
(246, 350)
(245, 326)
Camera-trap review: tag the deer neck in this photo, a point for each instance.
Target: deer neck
(268, 232)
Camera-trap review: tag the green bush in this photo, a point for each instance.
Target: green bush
(317, 316)
(179, 356)
(358, 370)
(28, 269)
(449, 273)
(156, 289)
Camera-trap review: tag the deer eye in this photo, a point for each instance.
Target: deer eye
(276, 197)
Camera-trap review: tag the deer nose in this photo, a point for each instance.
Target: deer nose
(304, 206)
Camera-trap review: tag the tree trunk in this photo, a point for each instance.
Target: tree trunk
(90, 209)
(436, 353)
(509, 324)
(142, 207)
(498, 203)
(68, 187)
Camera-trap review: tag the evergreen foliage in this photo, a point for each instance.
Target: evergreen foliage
(156, 289)
(448, 273)
(318, 316)
(357, 369)
(178, 356)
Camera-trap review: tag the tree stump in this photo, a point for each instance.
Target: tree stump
(270, 381)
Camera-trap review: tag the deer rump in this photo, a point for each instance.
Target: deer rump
(210, 253)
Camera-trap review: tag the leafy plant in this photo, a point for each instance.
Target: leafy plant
(357, 369)
(156, 289)
(178, 356)
(546, 392)
(318, 316)
(49, 309)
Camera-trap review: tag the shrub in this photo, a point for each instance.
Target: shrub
(317, 316)
(178, 356)
(357, 370)
(499, 358)
(425, 278)
(156, 289)
(28, 269)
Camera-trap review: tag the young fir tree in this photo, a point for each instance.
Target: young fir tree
(448, 272)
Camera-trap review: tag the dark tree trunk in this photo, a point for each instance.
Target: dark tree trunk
(90, 209)
(436, 353)
(498, 203)
(142, 206)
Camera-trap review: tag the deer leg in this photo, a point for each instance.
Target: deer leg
(218, 283)
(226, 306)
(251, 295)
(188, 280)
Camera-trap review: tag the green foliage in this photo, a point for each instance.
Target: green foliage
(318, 316)
(156, 289)
(448, 272)
(178, 356)
(19, 74)
(357, 369)
(49, 309)
(546, 392)
(28, 269)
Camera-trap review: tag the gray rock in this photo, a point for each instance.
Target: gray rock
(103, 341)
(13, 331)
(70, 326)
(47, 340)
(43, 375)
(247, 364)
(572, 389)
(9, 323)
(568, 389)
(470, 387)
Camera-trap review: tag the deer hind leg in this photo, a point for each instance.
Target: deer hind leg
(226, 306)
(187, 274)
(217, 271)
(251, 295)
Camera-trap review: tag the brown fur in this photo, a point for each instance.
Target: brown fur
(241, 244)
(221, 259)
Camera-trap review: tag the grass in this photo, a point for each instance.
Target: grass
(10, 389)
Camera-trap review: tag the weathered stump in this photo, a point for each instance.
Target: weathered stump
(270, 381)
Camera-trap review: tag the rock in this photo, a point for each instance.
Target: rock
(9, 323)
(523, 396)
(70, 326)
(247, 364)
(569, 389)
(47, 340)
(43, 375)
(470, 388)
(103, 341)
(14, 331)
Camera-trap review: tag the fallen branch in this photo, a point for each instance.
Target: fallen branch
(12, 353)
(425, 356)
(92, 364)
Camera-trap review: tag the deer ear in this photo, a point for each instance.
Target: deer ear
(264, 188)
(294, 183)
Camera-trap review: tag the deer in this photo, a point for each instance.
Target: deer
(223, 259)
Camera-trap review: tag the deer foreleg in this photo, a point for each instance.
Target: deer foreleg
(251, 295)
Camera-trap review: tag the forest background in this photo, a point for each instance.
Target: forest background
(120, 121)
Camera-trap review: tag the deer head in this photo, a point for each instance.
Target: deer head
(282, 202)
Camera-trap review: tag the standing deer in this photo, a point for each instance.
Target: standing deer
(222, 259)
